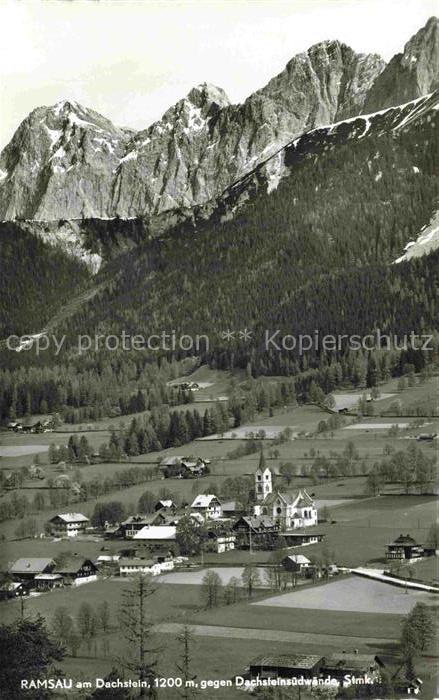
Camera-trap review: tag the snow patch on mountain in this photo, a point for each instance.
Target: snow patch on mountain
(427, 241)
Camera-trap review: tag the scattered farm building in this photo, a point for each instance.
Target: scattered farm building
(76, 570)
(68, 524)
(404, 547)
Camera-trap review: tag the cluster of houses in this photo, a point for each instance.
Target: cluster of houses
(32, 425)
(340, 669)
(276, 515)
(40, 574)
(32, 575)
(184, 467)
(154, 535)
(336, 666)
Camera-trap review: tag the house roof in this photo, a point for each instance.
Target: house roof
(166, 503)
(10, 586)
(72, 565)
(405, 540)
(71, 517)
(156, 532)
(134, 561)
(48, 577)
(351, 661)
(307, 661)
(258, 521)
(204, 501)
(140, 519)
(298, 559)
(32, 565)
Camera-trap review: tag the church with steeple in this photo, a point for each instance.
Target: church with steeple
(290, 510)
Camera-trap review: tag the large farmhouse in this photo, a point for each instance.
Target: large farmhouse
(77, 570)
(68, 524)
(27, 568)
(156, 534)
(208, 505)
(290, 510)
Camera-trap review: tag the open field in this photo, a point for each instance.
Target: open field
(425, 569)
(183, 603)
(372, 425)
(331, 622)
(195, 578)
(354, 594)
(351, 400)
(20, 450)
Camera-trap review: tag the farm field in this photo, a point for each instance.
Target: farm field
(211, 661)
(425, 569)
(20, 450)
(182, 602)
(351, 400)
(176, 603)
(195, 577)
(353, 594)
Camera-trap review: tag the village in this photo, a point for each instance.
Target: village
(241, 543)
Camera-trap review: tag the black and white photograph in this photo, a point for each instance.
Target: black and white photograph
(219, 349)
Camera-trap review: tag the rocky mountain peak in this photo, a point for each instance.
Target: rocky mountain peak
(205, 95)
(68, 161)
(410, 74)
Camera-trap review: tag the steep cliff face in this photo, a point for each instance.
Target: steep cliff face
(411, 74)
(60, 164)
(202, 144)
(69, 162)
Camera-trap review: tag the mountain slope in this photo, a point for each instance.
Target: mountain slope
(344, 202)
(36, 280)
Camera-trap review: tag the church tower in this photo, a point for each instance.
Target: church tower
(263, 479)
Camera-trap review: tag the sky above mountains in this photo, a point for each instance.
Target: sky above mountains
(131, 60)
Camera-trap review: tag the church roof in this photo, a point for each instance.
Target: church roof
(299, 499)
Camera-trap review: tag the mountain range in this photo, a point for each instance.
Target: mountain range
(68, 162)
(227, 216)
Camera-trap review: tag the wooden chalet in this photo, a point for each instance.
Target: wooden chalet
(285, 666)
(340, 664)
(68, 524)
(77, 570)
(258, 531)
(26, 569)
(404, 547)
(296, 563)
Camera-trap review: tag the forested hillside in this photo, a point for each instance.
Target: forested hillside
(36, 280)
